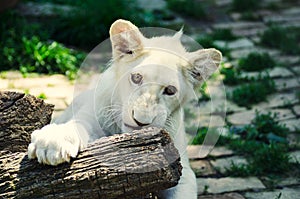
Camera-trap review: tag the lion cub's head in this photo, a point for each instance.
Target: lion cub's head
(155, 76)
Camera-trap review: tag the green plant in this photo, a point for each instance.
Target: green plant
(246, 5)
(203, 92)
(42, 96)
(223, 34)
(286, 39)
(207, 41)
(269, 125)
(199, 138)
(88, 23)
(241, 170)
(187, 7)
(256, 62)
(253, 92)
(231, 75)
(34, 55)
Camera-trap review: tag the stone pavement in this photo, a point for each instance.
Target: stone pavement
(212, 183)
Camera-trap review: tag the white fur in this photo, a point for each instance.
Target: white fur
(117, 103)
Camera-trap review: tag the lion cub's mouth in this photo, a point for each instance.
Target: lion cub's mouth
(133, 127)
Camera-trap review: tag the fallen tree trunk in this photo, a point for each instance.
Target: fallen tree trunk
(120, 166)
(20, 114)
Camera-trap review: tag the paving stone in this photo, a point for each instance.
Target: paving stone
(236, 54)
(277, 100)
(291, 11)
(222, 164)
(238, 25)
(293, 140)
(193, 151)
(296, 69)
(223, 196)
(232, 107)
(288, 59)
(211, 121)
(42, 81)
(241, 118)
(154, 5)
(285, 193)
(280, 72)
(59, 104)
(292, 124)
(228, 184)
(42, 9)
(288, 182)
(297, 109)
(12, 75)
(285, 84)
(202, 168)
(295, 157)
(3, 84)
(220, 152)
(279, 19)
(237, 44)
(60, 92)
(282, 114)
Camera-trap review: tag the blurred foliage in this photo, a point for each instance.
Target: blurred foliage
(245, 5)
(203, 91)
(264, 144)
(19, 49)
(88, 24)
(191, 8)
(231, 75)
(253, 92)
(286, 39)
(256, 62)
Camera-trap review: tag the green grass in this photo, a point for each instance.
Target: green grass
(42, 96)
(245, 5)
(187, 7)
(204, 95)
(256, 62)
(25, 47)
(285, 39)
(253, 92)
(231, 76)
(266, 154)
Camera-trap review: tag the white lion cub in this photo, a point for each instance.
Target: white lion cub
(146, 85)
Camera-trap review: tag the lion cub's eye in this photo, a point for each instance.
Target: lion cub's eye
(136, 78)
(170, 90)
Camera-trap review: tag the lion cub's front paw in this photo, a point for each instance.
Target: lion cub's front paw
(54, 144)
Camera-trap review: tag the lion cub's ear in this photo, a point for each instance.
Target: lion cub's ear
(204, 63)
(126, 39)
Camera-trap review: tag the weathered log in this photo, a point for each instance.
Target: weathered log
(20, 114)
(120, 166)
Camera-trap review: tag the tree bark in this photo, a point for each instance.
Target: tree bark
(120, 166)
(20, 114)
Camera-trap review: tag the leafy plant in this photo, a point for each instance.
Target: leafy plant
(42, 96)
(231, 75)
(187, 7)
(241, 170)
(34, 55)
(88, 24)
(286, 39)
(256, 62)
(246, 5)
(223, 34)
(204, 95)
(253, 92)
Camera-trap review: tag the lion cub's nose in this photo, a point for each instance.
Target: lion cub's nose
(138, 122)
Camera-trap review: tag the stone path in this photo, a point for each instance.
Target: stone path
(212, 183)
